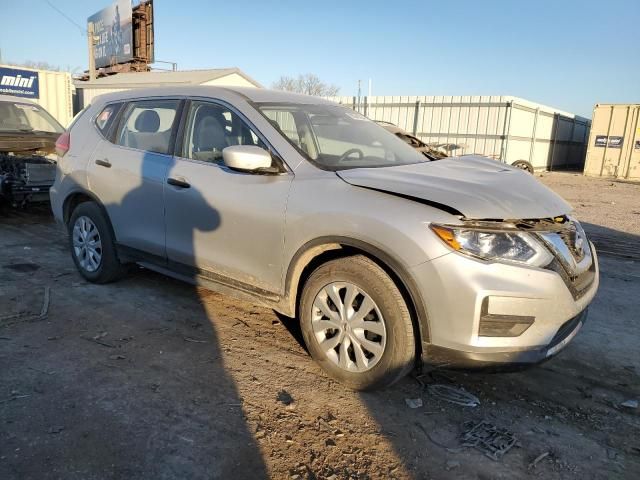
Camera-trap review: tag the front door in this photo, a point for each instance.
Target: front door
(218, 220)
(128, 173)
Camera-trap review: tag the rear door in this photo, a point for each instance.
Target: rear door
(219, 221)
(128, 170)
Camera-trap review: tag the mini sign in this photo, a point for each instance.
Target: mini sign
(615, 142)
(20, 83)
(601, 141)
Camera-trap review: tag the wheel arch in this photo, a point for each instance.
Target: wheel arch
(318, 251)
(75, 198)
(78, 196)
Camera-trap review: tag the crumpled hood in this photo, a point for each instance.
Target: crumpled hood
(477, 187)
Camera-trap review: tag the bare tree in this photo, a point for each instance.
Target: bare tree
(38, 65)
(308, 84)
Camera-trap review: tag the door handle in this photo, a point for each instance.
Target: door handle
(178, 182)
(103, 163)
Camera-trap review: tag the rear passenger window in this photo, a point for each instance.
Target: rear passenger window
(147, 125)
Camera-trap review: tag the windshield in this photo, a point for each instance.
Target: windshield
(26, 117)
(337, 138)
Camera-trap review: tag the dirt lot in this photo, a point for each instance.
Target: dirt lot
(151, 378)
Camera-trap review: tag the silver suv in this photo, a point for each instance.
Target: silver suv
(385, 257)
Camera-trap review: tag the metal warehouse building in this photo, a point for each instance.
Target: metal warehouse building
(501, 127)
(86, 91)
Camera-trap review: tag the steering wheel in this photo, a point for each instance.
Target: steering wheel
(350, 152)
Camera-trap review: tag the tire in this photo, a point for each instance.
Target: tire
(108, 269)
(523, 165)
(394, 339)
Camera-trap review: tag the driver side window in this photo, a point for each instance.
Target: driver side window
(211, 128)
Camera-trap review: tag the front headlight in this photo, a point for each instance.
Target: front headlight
(518, 247)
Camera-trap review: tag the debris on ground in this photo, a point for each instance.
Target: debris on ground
(45, 303)
(284, 397)
(630, 403)
(15, 395)
(31, 316)
(456, 395)
(537, 460)
(97, 339)
(437, 442)
(452, 464)
(413, 402)
(494, 442)
(194, 340)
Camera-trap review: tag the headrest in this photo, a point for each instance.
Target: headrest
(148, 121)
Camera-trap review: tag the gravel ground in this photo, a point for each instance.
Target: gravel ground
(152, 378)
(603, 203)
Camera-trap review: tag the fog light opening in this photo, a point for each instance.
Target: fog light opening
(497, 325)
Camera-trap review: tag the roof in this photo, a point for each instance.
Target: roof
(181, 77)
(251, 94)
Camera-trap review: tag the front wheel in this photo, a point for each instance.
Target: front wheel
(356, 324)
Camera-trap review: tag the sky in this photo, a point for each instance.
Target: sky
(568, 54)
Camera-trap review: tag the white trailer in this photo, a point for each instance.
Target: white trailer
(505, 128)
(51, 90)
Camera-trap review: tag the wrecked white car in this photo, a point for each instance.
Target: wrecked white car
(28, 135)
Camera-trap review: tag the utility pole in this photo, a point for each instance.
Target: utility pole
(92, 53)
(359, 93)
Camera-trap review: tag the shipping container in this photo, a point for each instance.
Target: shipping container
(501, 127)
(614, 144)
(52, 90)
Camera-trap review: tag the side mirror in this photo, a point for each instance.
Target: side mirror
(248, 158)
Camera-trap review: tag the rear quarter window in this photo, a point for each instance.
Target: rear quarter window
(106, 118)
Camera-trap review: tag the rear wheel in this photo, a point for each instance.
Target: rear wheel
(523, 165)
(356, 324)
(92, 244)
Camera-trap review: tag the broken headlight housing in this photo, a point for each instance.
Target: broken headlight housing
(506, 246)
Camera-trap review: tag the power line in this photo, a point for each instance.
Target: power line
(79, 27)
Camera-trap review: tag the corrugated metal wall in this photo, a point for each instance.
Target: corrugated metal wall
(614, 144)
(501, 127)
(55, 93)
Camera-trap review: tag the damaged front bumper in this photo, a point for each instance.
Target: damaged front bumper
(505, 360)
(461, 293)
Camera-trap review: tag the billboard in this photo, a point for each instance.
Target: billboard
(20, 83)
(112, 27)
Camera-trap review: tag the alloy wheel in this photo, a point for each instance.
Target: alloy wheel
(87, 245)
(348, 326)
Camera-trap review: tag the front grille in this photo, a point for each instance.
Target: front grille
(569, 237)
(573, 257)
(577, 284)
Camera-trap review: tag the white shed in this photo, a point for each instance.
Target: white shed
(86, 91)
